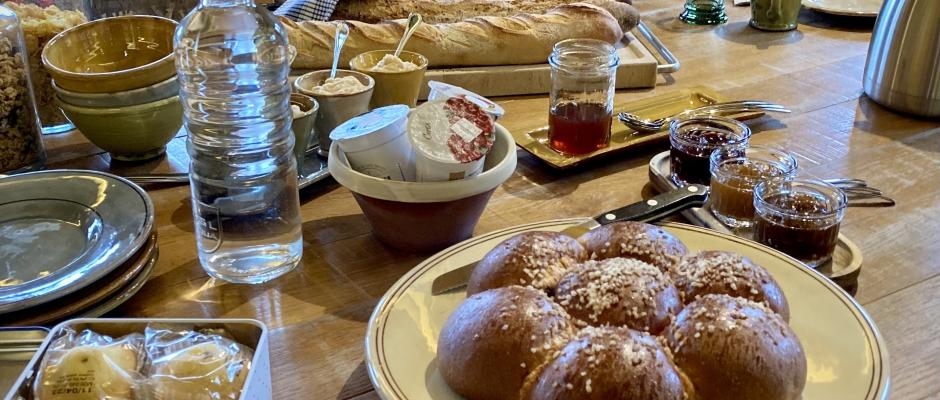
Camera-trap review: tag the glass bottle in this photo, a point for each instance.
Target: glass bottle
(581, 101)
(232, 60)
(704, 12)
(20, 141)
(42, 20)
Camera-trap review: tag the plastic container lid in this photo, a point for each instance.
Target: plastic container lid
(369, 130)
(455, 130)
(441, 91)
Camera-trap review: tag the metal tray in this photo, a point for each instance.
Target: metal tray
(846, 262)
(248, 332)
(17, 347)
(622, 138)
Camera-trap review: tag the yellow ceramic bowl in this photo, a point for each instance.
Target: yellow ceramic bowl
(112, 54)
(129, 133)
(392, 87)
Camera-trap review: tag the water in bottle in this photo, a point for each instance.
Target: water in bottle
(232, 60)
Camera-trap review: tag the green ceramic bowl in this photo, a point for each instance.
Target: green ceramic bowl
(129, 133)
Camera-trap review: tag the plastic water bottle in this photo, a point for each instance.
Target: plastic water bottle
(232, 59)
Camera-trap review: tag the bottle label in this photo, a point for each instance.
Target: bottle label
(208, 227)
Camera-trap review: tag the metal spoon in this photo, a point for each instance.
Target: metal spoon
(414, 19)
(342, 32)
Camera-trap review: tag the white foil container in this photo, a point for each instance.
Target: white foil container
(376, 145)
(443, 91)
(248, 332)
(434, 125)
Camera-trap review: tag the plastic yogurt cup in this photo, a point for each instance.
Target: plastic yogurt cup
(451, 139)
(376, 145)
(443, 91)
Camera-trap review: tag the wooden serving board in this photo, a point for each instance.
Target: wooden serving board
(637, 69)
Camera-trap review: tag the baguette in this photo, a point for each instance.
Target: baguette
(478, 41)
(456, 10)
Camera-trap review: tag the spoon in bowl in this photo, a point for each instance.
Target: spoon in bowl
(342, 32)
(414, 19)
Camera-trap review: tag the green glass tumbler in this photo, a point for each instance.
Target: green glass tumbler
(704, 12)
(775, 15)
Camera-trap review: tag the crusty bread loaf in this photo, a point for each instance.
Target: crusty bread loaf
(644, 242)
(619, 292)
(733, 348)
(495, 339)
(520, 39)
(609, 363)
(722, 272)
(435, 11)
(537, 259)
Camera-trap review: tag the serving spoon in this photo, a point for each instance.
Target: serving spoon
(342, 32)
(414, 19)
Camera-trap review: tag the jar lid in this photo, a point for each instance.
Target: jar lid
(441, 90)
(371, 129)
(454, 130)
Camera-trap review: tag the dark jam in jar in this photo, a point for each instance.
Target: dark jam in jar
(579, 128)
(811, 240)
(690, 150)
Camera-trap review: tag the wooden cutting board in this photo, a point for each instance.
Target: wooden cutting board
(637, 69)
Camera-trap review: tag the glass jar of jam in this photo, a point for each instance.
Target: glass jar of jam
(800, 218)
(581, 101)
(735, 171)
(693, 140)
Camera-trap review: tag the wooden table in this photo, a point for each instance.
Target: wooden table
(318, 314)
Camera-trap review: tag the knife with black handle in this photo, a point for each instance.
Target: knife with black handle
(660, 206)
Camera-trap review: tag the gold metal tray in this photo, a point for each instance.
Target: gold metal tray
(621, 137)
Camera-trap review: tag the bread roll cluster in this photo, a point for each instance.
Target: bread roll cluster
(624, 312)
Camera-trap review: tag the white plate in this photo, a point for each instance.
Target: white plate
(854, 8)
(847, 358)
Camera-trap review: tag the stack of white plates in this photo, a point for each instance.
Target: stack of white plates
(72, 243)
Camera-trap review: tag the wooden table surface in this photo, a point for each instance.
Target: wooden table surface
(318, 313)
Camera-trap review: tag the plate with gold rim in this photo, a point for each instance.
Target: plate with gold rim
(846, 355)
(852, 8)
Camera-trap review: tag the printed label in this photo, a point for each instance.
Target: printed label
(466, 130)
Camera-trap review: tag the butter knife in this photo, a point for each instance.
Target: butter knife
(660, 206)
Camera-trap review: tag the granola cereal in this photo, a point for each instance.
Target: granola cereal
(40, 24)
(19, 134)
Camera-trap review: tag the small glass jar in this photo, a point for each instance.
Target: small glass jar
(581, 102)
(800, 218)
(693, 140)
(41, 21)
(775, 15)
(704, 12)
(735, 171)
(20, 141)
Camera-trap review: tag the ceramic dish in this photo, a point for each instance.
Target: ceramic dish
(847, 358)
(853, 8)
(129, 133)
(426, 216)
(124, 294)
(112, 54)
(846, 261)
(158, 91)
(62, 230)
(622, 138)
(106, 288)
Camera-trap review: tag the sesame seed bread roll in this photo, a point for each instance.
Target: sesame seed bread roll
(721, 272)
(648, 243)
(733, 348)
(619, 292)
(496, 338)
(536, 259)
(608, 363)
